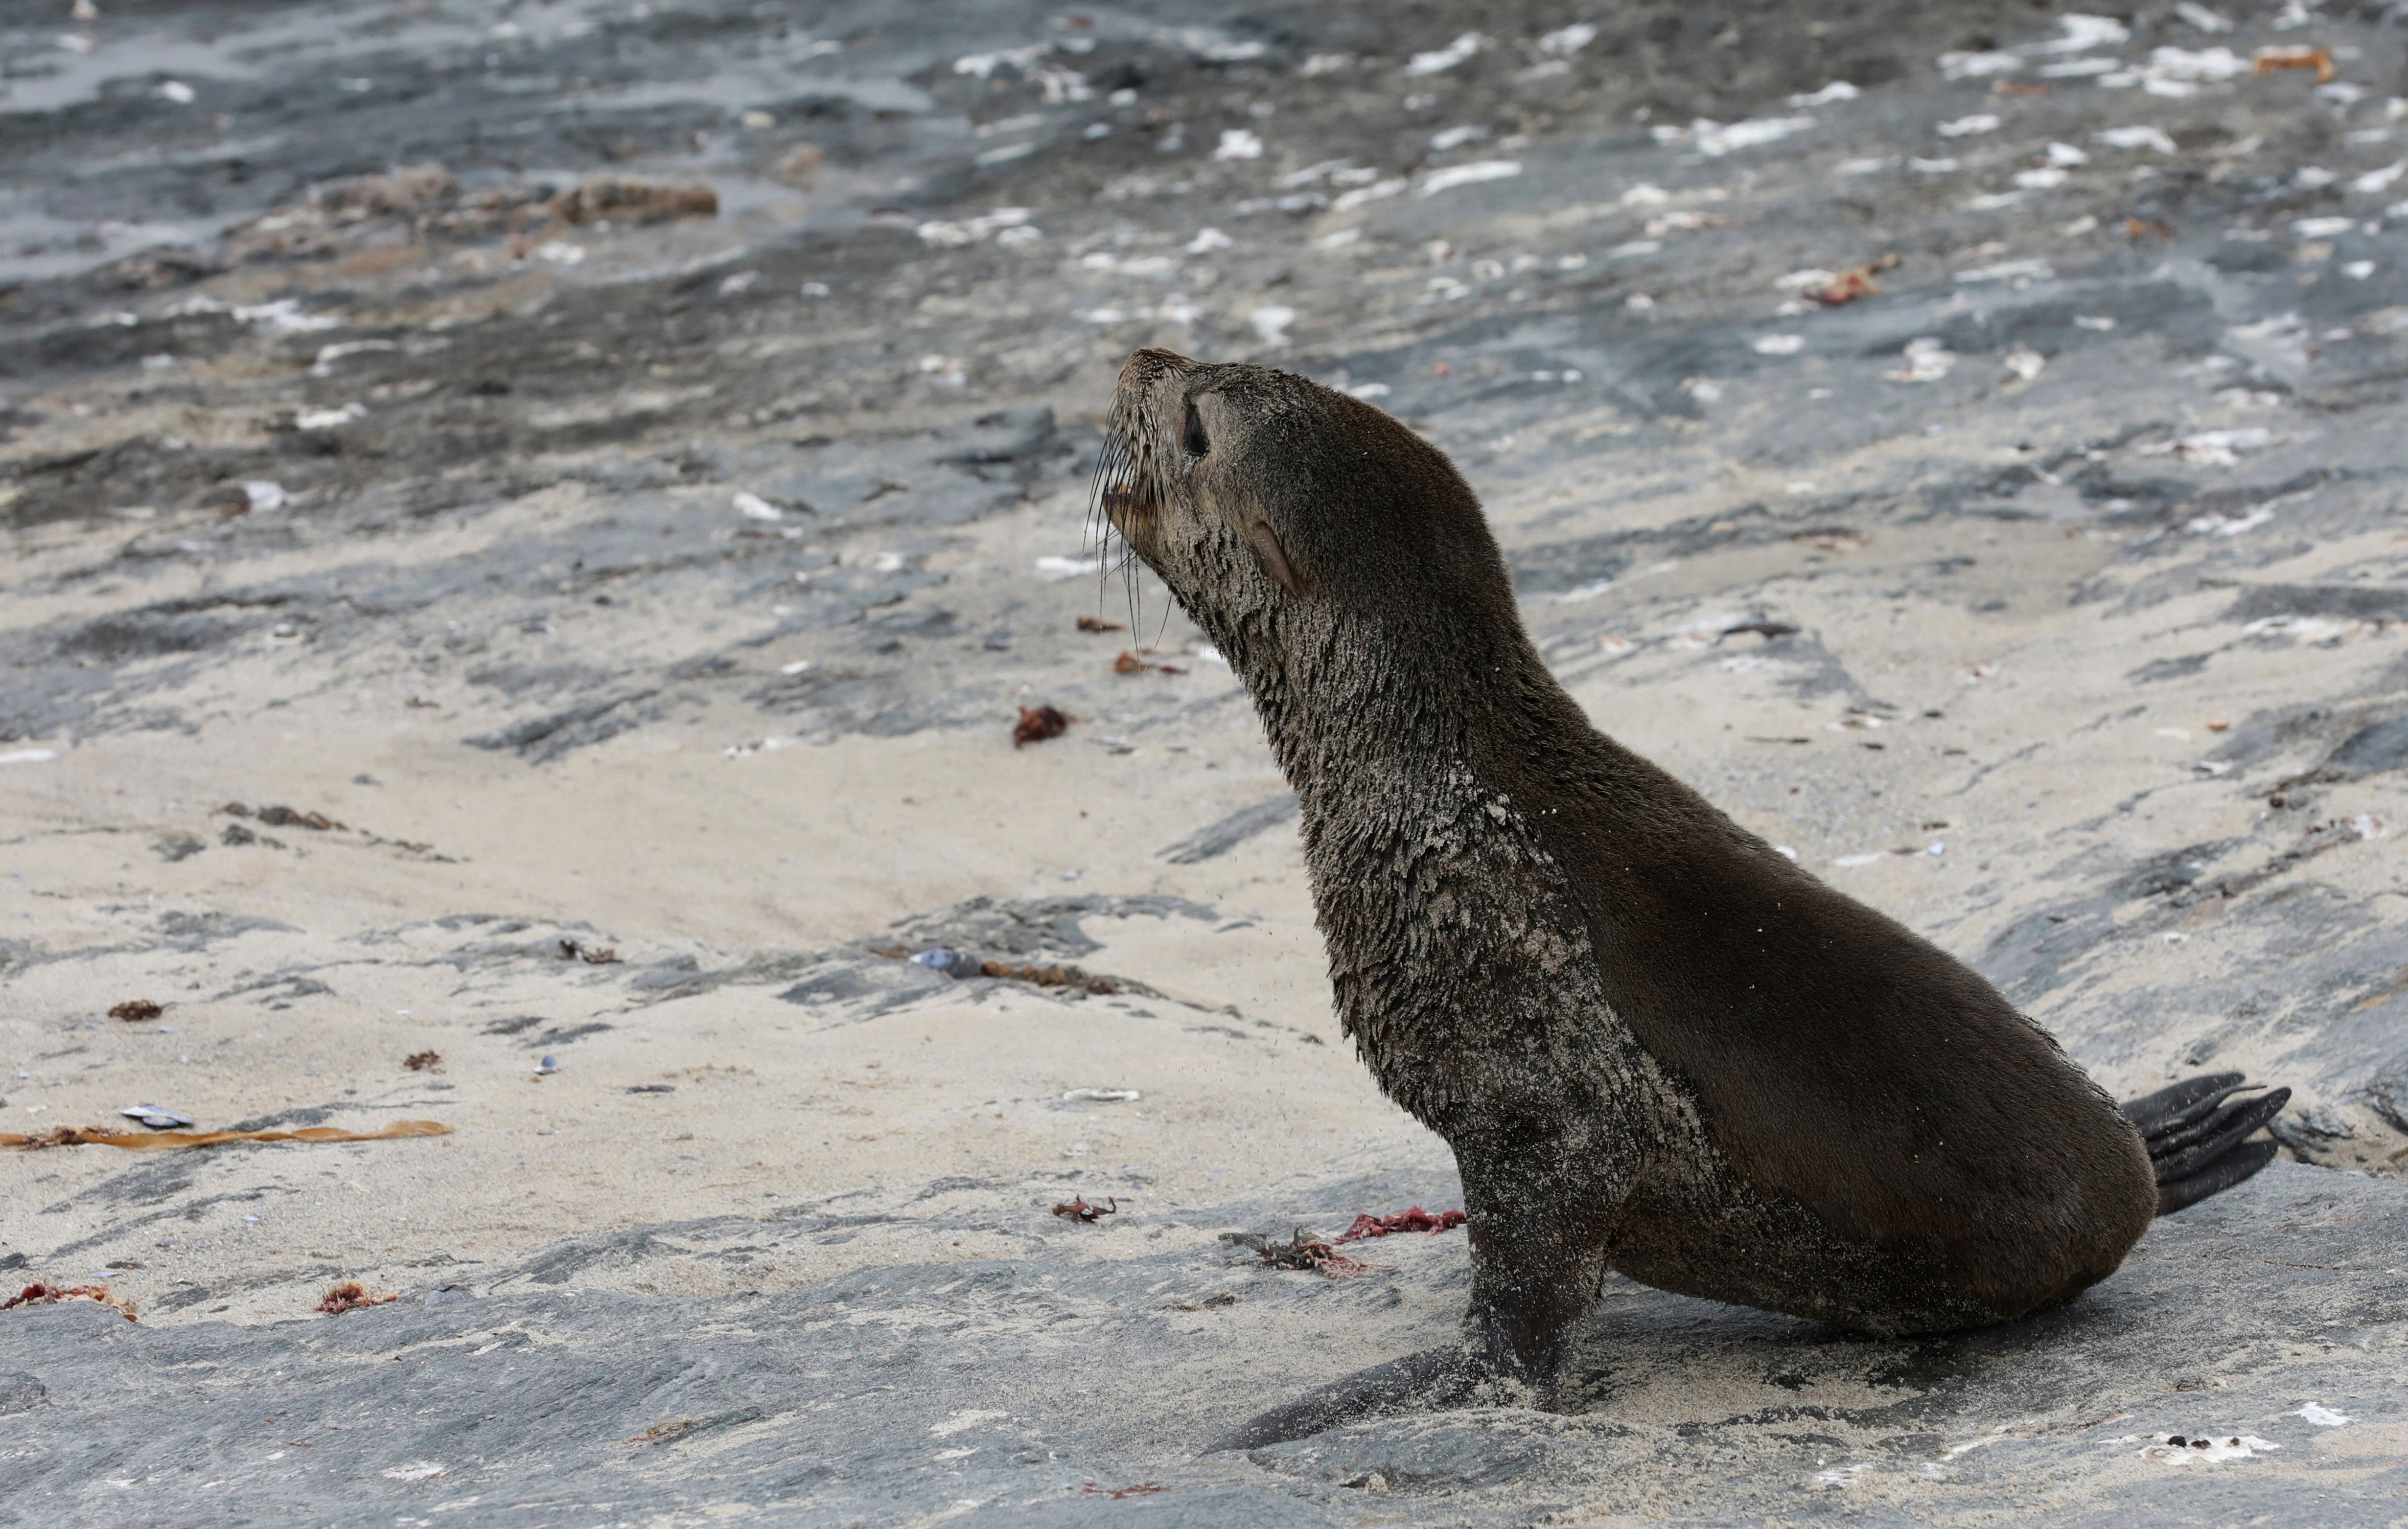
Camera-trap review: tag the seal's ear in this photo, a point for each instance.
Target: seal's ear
(1271, 557)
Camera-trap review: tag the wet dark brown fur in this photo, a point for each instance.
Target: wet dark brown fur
(1655, 1044)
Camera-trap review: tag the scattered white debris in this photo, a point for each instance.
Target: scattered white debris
(754, 507)
(2062, 154)
(1778, 345)
(1448, 57)
(1715, 139)
(1206, 653)
(175, 91)
(2380, 181)
(2226, 526)
(1994, 200)
(984, 65)
(1638, 302)
(2033, 269)
(1981, 122)
(416, 1470)
(1566, 41)
(742, 280)
(329, 355)
(1976, 65)
(948, 235)
(2093, 321)
(761, 746)
(2203, 17)
(1812, 279)
(1068, 567)
(2214, 448)
(1468, 175)
(2134, 138)
(2181, 67)
(2083, 34)
(946, 371)
(1369, 390)
(284, 315)
(1102, 1096)
(1238, 143)
(264, 494)
(1325, 63)
(800, 665)
(1455, 137)
(2322, 228)
(2312, 178)
(1269, 322)
(2046, 177)
(1852, 861)
(2080, 69)
(1838, 90)
(2024, 364)
(2358, 270)
(965, 1420)
(29, 756)
(1927, 361)
(1931, 166)
(1348, 201)
(1337, 240)
(1683, 221)
(326, 419)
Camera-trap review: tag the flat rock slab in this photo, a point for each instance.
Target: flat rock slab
(403, 591)
(1062, 1389)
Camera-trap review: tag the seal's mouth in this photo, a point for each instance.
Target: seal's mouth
(1127, 499)
(1124, 498)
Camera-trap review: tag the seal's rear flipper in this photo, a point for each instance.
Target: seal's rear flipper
(2195, 1131)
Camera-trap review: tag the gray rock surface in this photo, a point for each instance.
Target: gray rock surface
(2050, 597)
(1058, 1389)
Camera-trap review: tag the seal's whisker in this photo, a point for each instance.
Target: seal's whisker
(1114, 472)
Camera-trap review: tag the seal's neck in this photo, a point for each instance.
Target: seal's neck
(1350, 701)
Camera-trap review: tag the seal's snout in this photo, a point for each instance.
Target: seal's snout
(1143, 368)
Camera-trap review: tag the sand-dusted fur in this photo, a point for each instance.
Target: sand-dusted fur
(1655, 1043)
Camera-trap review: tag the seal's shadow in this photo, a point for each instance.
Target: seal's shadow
(1706, 1363)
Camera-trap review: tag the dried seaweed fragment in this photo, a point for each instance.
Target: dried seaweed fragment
(350, 1295)
(1302, 1250)
(1414, 1220)
(1037, 723)
(40, 1294)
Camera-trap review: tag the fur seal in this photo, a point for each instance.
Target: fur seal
(1655, 1044)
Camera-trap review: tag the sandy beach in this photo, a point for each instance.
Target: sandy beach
(587, 650)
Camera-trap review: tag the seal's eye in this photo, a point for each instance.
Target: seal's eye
(1194, 441)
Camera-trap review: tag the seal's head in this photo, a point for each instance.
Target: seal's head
(1283, 514)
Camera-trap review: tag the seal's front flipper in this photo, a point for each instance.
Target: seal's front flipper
(2196, 1132)
(1429, 1381)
